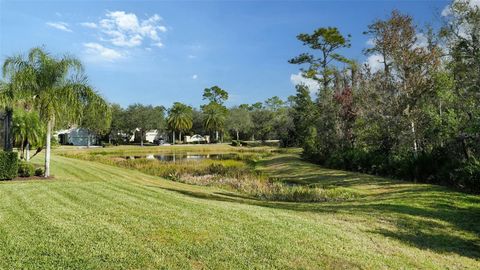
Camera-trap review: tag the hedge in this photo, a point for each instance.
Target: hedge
(8, 165)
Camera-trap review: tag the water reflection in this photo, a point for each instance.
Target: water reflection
(172, 157)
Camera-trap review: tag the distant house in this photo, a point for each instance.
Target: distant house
(197, 139)
(151, 136)
(76, 136)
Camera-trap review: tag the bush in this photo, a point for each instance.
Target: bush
(8, 165)
(25, 169)
(39, 172)
(236, 143)
(104, 144)
(468, 176)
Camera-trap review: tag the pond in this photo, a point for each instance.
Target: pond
(172, 157)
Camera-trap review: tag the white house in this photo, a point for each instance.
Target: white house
(76, 136)
(197, 139)
(152, 136)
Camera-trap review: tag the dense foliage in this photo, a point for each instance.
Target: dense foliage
(414, 116)
(8, 165)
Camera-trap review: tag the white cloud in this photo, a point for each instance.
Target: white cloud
(89, 24)
(375, 62)
(60, 26)
(124, 29)
(297, 79)
(158, 44)
(195, 76)
(97, 52)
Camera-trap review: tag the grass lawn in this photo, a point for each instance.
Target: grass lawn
(96, 216)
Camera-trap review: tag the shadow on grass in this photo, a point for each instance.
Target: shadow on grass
(426, 218)
(291, 170)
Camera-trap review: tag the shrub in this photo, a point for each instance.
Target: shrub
(25, 169)
(104, 144)
(39, 172)
(236, 143)
(8, 165)
(468, 176)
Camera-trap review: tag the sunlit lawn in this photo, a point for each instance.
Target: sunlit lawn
(95, 216)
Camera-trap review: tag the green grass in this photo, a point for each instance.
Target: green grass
(234, 173)
(96, 216)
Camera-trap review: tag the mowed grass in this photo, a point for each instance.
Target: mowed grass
(96, 216)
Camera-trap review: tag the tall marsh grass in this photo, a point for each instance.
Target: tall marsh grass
(235, 174)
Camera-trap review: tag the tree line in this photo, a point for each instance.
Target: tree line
(416, 116)
(258, 121)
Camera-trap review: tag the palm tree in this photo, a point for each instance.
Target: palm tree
(215, 115)
(180, 118)
(27, 130)
(6, 102)
(58, 87)
(13, 91)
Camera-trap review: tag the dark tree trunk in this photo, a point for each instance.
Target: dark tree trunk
(8, 140)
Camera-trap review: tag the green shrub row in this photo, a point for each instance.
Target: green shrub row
(435, 167)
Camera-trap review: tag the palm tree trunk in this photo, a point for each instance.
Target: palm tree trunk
(180, 136)
(216, 135)
(88, 140)
(237, 136)
(141, 137)
(8, 143)
(173, 140)
(22, 149)
(27, 152)
(48, 146)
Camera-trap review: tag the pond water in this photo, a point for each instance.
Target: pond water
(172, 157)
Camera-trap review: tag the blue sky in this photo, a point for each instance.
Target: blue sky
(156, 52)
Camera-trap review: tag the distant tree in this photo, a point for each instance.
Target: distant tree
(262, 119)
(327, 41)
(97, 122)
(214, 118)
(180, 118)
(239, 120)
(144, 118)
(198, 122)
(304, 114)
(274, 103)
(215, 113)
(215, 94)
(118, 127)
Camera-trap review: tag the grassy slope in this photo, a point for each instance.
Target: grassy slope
(98, 216)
